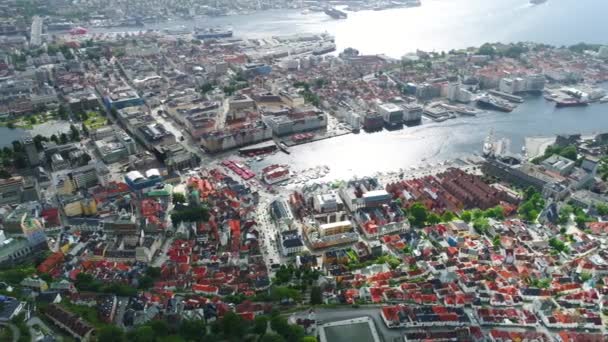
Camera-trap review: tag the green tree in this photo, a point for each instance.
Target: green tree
(10, 125)
(316, 295)
(466, 216)
(602, 168)
(569, 152)
(63, 138)
(74, 133)
(309, 339)
(233, 325)
(271, 337)
(160, 327)
(145, 282)
(85, 159)
(495, 213)
(418, 214)
(581, 219)
(110, 333)
(260, 325)
(153, 272)
(481, 225)
(295, 333)
(205, 88)
(529, 192)
(585, 276)
(448, 216)
(190, 214)
(486, 49)
(532, 206)
(602, 209)
(319, 83)
(496, 241)
(564, 213)
(229, 90)
(558, 245)
(433, 219)
(280, 325)
(279, 293)
(62, 113)
(86, 282)
(4, 174)
(142, 334)
(192, 330)
(179, 197)
(38, 140)
(20, 160)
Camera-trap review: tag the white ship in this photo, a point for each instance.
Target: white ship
(488, 145)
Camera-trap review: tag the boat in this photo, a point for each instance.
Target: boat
(570, 103)
(335, 13)
(488, 145)
(212, 33)
(78, 31)
(323, 49)
(491, 102)
(283, 147)
(537, 2)
(258, 149)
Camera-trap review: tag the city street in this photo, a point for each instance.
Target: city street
(268, 230)
(120, 310)
(178, 131)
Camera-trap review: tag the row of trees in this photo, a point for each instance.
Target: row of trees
(231, 327)
(86, 282)
(190, 214)
(532, 206)
(511, 51)
(580, 216)
(569, 152)
(420, 216)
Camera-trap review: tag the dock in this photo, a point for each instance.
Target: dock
(506, 96)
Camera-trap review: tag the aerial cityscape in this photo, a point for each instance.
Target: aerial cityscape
(301, 171)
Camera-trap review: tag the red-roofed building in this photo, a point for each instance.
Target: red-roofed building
(48, 265)
(205, 289)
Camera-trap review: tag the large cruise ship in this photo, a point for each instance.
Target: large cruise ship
(212, 33)
(490, 102)
(324, 48)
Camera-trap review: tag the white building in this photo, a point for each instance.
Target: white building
(457, 93)
(535, 82)
(513, 85)
(412, 112)
(327, 203)
(603, 52)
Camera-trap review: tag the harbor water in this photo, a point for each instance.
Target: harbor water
(437, 25)
(364, 154)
